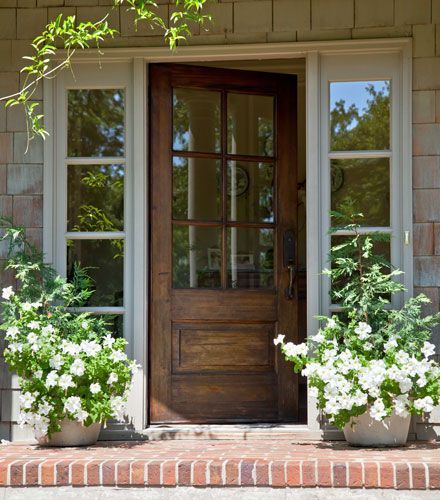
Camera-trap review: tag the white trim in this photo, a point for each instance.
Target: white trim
(137, 233)
(97, 235)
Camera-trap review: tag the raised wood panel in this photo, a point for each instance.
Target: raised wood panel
(226, 348)
(218, 305)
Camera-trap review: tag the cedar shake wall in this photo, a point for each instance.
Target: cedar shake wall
(239, 21)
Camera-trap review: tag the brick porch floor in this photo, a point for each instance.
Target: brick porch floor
(222, 463)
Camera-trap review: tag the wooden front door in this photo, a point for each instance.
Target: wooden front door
(223, 223)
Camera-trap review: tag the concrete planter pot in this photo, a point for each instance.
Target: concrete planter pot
(72, 434)
(365, 431)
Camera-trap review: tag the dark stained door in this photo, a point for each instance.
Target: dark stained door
(223, 200)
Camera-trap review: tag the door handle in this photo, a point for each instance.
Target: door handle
(289, 262)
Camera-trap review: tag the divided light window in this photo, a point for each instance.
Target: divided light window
(95, 163)
(360, 155)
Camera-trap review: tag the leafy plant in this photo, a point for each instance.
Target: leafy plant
(69, 366)
(370, 357)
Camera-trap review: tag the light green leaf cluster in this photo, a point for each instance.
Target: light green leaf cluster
(68, 363)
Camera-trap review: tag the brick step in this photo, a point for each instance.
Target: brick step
(223, 463)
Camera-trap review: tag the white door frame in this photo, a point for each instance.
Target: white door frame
(139, 57)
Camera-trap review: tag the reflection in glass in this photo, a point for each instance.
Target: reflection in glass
(364, 184)
(95, 121)
(196, 120)
(95, 198)
(104, 262)
(196, 188)
(114, 324)
(360, 115)
(196, 257)
(250, 124)
(250, 192)
(250, 257)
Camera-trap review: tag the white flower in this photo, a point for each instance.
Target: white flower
(72, 404)
(363, 330)
(112, 378)
(52, 379)
(7, 293)
(33, 325)
(47, 329)
(85, 325)
(279, 339)
(108, 341)
(119, 407)
(367, 346)
(26, 306)
(15, 347)
(390, 344)
(428, 349)
(77, 367)
(426, 404)
(90, 347)
(81, 415)
(402, 357)
(405, 384)
(56, 362)
(292, 349)
(38, 374)
(12, 332)
(134, 367)
(44, 408)
(95, 388)
(331, 323)
(32, 338)
(118, 356)
(66, 381)
(319, 337)
(377, 410)
(70, 348)
(313, 392)
(401, 405)
(26, 399)
(311, 369)
(421, 382)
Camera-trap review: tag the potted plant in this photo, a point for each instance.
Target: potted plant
(369, 366)
(73, 374)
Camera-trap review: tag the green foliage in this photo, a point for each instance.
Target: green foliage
(68, 363)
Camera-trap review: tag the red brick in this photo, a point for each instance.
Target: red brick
(153, 476)
(386, 475)
(215, 473)
(262, 473)
(31, 473)
(339, 475)
(48, 473)
(3, 472)
(138, 473)
(169, 473)
(309, 473)
(423, 239)
(16, 473)
(78, 476)
(418, 472)
(371, 475)
(184, 473)
(247, 469)
(324, 474)
(278, 474)
(200, 468)
(293, 470)
(355, 475)
(93, 473)
(109, 473)
(402, 477)
(232, 472)
(434, 476)
(62, 473)
(123, 473)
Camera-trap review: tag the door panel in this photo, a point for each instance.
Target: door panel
(223, 163)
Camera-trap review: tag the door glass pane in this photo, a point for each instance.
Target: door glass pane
(250, 257)
(250, 124)
(360, 115)
(95, 196)
(95, 121)
(196, 257)
(114, 324)
(196, 188)
(196, 120)
(250, 192)
(105, 265)
(364, 186)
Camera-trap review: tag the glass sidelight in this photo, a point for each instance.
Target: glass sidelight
(223, 189)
